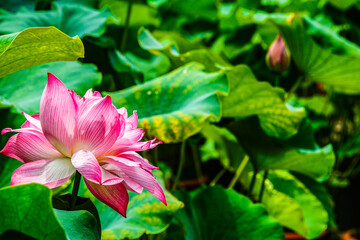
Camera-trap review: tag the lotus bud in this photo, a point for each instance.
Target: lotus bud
(278, 56)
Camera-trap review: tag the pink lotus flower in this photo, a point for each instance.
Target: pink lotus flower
(88, 135)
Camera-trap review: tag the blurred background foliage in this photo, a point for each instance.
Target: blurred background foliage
(283, 149)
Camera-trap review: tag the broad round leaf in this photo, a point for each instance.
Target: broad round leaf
(23, 89)
(175, 106)
(218, 213)
(27, 209)
(79, 225)
(249, 97)
(291, 203)
(72, 19)
(35, 46)
(268, 153)
(145, 214)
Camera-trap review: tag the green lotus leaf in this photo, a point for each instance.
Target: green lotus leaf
(247, 95)
(79, 225)
(23, 89)
(341, 72)
(268, 153)
(250, 97)
(342, 4)
(34, 46)
(322, 64)
(175, 106)
(218, 213)
(27, 209)
(291, 203)
(145, 213)
(72, 19)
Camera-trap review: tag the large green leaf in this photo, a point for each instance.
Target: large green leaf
(151, 68)
(145, 213)
(317, 63)
(72, 19)
(79, 225)
(175, 106)
(218, 213)
(321, 65)
(23, 89)
(35, 46)
(268, 153)
(291, 203)
(342, 4)
(27, 209)
(247, 95)
(250, 97)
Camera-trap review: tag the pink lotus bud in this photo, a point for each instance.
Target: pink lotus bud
(278, 56)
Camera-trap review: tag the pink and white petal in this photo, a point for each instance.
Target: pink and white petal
(115, 196)
(58, 115)
(134, 156)
(87, 165)
(98, 126)
(139, 189)
(112, 165)
(28, 147)
(133, 120)
(136, 147)
(122, 111)
(89, 94)
(138, 175)
(32, 121)
(23, 130)
(52, 173)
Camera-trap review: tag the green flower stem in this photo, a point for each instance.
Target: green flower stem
(181, 165)
(217, 177)
(239, 171)
(197, 163)
(263, 185)
(126, 29)
(252, 183)
(75, 190)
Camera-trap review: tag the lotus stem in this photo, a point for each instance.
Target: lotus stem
(75, 190)
(217, 177)
(252, 183)
(197, 164)
(181, 165)
(126, 29)
(263, 185)
(239, 171)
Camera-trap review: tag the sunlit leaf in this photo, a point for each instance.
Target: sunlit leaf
(291, 203)
(23, 89)
(27, 209)
(175, 106)
(72, 19)
(342, 4)
(151, 68)
(145, 214)
(35, 46)
(218, 213)
(250, 97)
(268, 153)
(247, 96)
